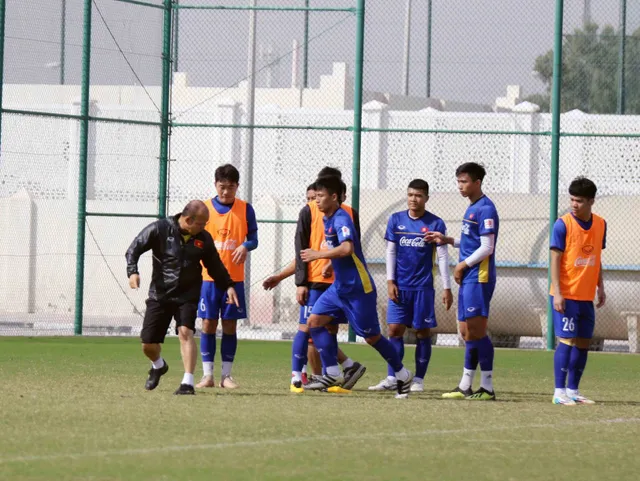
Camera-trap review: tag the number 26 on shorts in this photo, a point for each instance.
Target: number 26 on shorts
(567, 324)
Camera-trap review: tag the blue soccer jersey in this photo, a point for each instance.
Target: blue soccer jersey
(415, 258)
(481, 218)
(351, 274)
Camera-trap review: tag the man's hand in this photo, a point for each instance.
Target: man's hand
(392, 291)
(232, 297)
(458, 272)
(433, 237)
(271, 282)
(558, 303)
(309, 255)
(134, 281)
(447, 298)
(302, 294)
(239, 255)
(602, 297)
(327, 270)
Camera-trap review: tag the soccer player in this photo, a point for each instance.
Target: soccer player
(410, 268)
(353, 293)
(476, 275)
(312, 279)
(179, 245)
(577, 242)
(234, 229)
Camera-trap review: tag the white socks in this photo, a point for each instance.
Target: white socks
(403, 375)
(187, 379)
(226, 368)
(207, 368)
(347, 363)
(467, 379)
(486, 380)
(158, 364)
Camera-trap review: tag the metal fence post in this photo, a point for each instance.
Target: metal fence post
(357, 116)
(555, 148)
(82, 168)
(164, 113)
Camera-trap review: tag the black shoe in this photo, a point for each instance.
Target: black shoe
(404, 387)
(482, 394)
(353, 374)
(185, 389)
(154, 377)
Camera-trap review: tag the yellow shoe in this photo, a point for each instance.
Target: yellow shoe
(296, 387)
(457, 393)
(228, 383)
(206, 381)
(338, 390)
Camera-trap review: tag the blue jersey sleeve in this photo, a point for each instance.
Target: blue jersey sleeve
(559, 236)
(345, 229)
(390, 236)
(441, 227)
(252, 229)
(487, 216)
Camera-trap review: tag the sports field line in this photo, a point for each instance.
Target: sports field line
(305, 439)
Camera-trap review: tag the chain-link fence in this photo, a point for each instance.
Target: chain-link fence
(118, 111)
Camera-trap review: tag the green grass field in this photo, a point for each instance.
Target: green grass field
(76, 408)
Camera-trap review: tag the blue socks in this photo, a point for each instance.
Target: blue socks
(327, 347)
(228, 347)
(470, 355)
(485, 353)
(561, 360)
(398, 346)
(299, 351)
(423, 356)
(389, 353)
(207, 347)
(577, 363)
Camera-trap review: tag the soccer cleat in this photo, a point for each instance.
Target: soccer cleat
(324, 383)
(296, 387)
(305, 379)
(154, 377)
(385, 385)
(206, 381)
(580, 399)
(416, 387)
(185, 389)
(482, 395)
(228, 383)
(404, 387)
(564, 400)
(457, 393)
(352, 375)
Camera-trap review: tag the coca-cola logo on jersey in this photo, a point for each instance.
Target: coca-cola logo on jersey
(415, 242)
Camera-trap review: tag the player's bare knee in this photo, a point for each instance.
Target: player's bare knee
(423, 333)
(209, 326)
(333, 328)
(185, 334)
(396, 330)
(229, 326)
(303, 328)
(567, 340)
(582, 343)
(373, 339)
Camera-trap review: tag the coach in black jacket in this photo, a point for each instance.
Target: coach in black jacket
(179, 244)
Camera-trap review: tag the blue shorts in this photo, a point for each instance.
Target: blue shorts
(213, 303)
(578, 320)
(414, 309)
(474, 299)
(360, 310)
(307, 309)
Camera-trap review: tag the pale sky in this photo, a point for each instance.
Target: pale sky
(478, 46)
